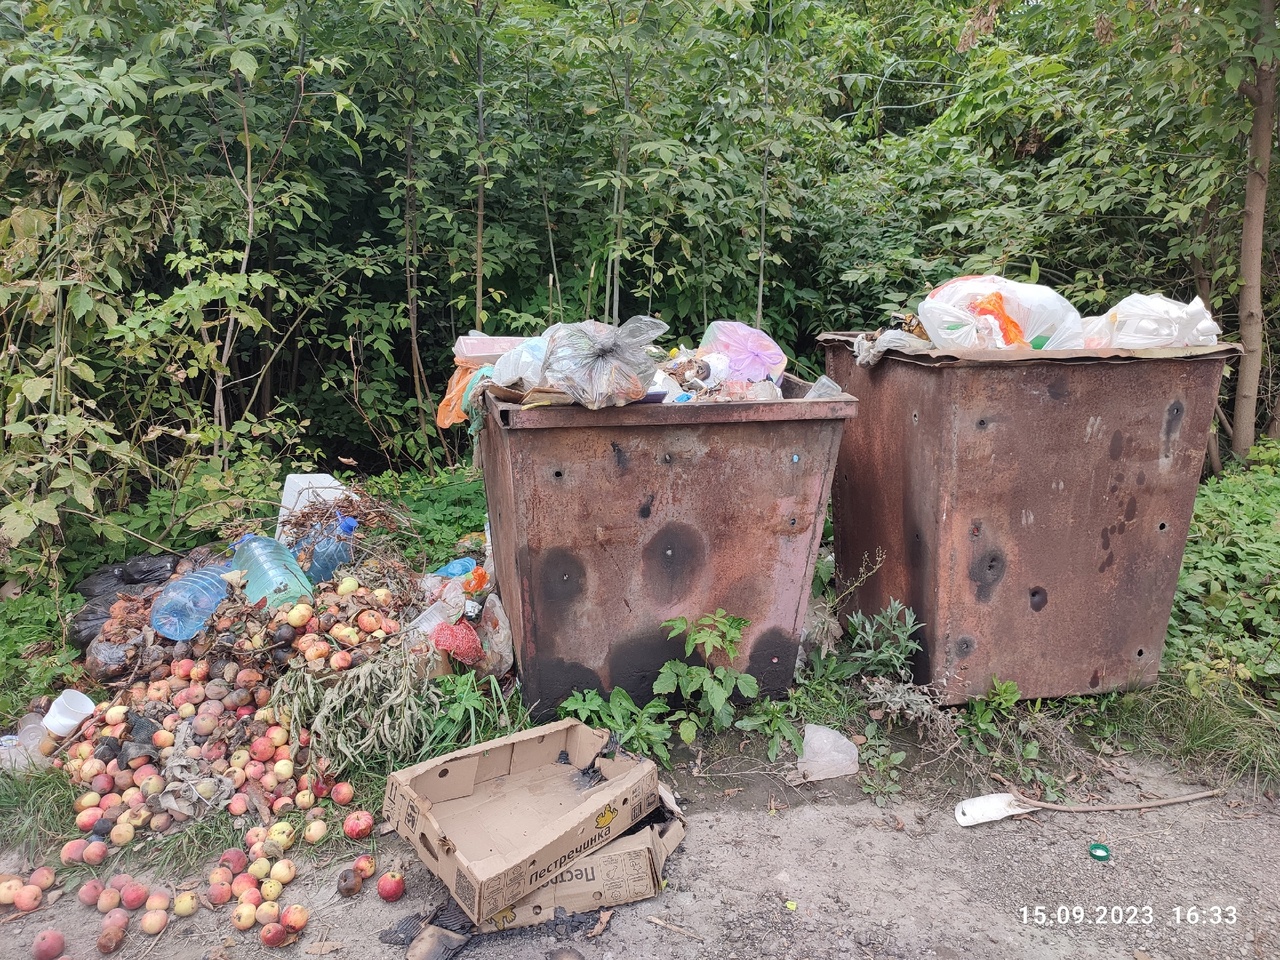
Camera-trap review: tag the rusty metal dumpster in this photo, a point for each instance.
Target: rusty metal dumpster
(1033, 507)
(606, 523)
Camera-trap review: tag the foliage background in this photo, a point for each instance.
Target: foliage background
(236, 236)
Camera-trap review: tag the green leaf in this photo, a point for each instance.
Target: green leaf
(35, 388)
(666, 682)
(244, 61)
(688, 731)
(716, 696)
(748, 686)
(46, 511)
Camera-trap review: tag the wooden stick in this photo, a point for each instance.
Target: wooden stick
(672, 927)
(1109, 807)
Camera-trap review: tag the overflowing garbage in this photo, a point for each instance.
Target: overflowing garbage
(991, 312)
(599, 365)
(194, 648)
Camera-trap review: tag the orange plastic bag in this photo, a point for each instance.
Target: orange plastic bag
(992, 305)
(450, 410)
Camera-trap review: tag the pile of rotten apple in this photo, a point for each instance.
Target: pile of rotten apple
(256, 877)
(199, 732)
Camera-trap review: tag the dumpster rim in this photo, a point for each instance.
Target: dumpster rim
(983, 358)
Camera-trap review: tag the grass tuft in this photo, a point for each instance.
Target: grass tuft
(1224, 735)
(36, 815)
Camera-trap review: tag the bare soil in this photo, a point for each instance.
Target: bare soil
(823, 873)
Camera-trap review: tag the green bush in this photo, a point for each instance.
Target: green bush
(1225, 627)
(34, 657)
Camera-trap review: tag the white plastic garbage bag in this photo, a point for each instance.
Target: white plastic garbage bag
(1143, 321)
(990, 312)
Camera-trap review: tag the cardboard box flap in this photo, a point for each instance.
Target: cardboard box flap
(623, 871)
(448, 781)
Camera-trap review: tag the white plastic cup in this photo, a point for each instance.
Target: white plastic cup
(67, 713)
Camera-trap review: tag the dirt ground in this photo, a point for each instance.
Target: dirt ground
(821, 872)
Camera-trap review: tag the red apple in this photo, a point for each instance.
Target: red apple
(294, 917)
(365, 865)
(273, 934)
(48, 945)
(28, 898)
(73, 851)
(134, 896)
(391, 886)
(342, 793)
(358, 825)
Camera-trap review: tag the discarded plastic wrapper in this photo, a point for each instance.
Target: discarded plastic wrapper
(991, 806)
(827, 754)
(752, 354)
(1143, 321)
(824, 388)
(302, 490)
(599, 365)
(481, 348)
(521, 368)
(869, 351)
(495, 635)
(989, 312)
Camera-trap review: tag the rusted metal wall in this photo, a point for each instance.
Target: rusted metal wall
(1033, 512)
(606, 523)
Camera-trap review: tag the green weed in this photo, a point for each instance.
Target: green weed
(35, 658)
(882, 645)
(644, 730)
(706, 692)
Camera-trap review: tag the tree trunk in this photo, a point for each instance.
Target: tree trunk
(483, 166)
(420, 390)
(1262, 93)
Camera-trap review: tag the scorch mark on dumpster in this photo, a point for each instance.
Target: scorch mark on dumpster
(986, 570)
(671, 561)
(561, 580)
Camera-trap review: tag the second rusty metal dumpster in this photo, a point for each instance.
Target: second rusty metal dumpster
(606, 523)
(1033, 507)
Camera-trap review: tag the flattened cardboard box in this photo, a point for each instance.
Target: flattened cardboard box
(498, 820)
(627, 870)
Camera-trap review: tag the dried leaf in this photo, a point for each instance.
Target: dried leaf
(601, 924)
(324, 947)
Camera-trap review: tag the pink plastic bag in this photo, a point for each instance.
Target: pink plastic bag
(752, 353)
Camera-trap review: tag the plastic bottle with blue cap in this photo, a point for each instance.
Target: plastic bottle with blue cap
(332, 550)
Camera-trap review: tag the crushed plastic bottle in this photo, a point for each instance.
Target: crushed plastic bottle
(332, 550)
(270, 571)
(186, 604)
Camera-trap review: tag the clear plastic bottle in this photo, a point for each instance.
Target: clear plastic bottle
(332, 550)
(186, 604)
(270, 571)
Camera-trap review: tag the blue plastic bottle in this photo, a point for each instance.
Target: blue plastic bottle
(332, 551)
(186, 604)
(270, 571)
